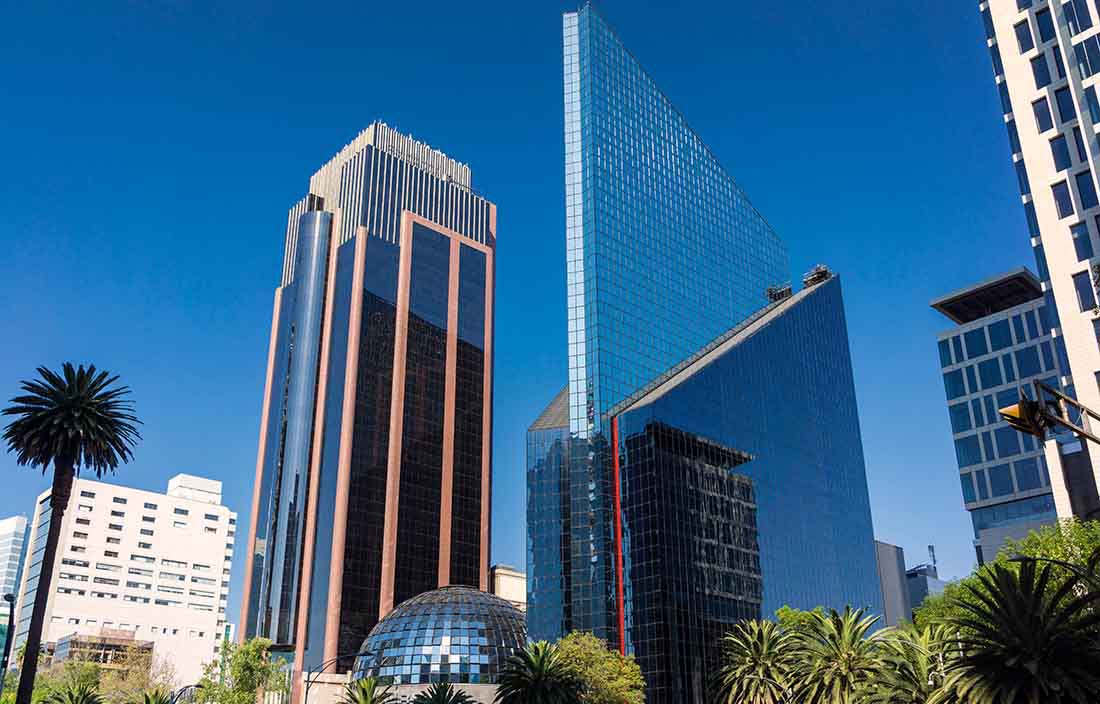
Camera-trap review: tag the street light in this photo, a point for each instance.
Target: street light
(323, 666)
(189, 691)
(10, 598)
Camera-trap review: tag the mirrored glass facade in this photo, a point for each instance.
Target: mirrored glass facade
(456, 634)
(372, 481)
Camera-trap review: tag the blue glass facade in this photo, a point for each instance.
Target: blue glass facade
(665, 255)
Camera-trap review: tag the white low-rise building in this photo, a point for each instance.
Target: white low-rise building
(156, 565)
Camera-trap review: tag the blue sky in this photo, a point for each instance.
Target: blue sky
(151, 152)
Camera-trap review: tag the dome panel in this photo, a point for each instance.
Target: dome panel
(454, 634)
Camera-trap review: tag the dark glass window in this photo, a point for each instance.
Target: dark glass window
(1032, 221)
(1062, 199)
(976, 409)
(1088, 56)
(1007, 397)
(1059, 151)
(1043, 120)
(972, 379)
(1059, 65)
(1000, 480)
(1082, 243)
(991, 416)
(1018, 327)
(1032, 327)
(1064, 100)
(960, 417)
(1008, 441)
(987, 22)
(1045, 23)
(975, 343)
(1086, 190)
(956, 344)
(1093, 103)
(945, 353)
(1006, 100)
(1010, 370)
(1013, 136)
(995, 57)
(1023, 36)
(967, 451)
(1027, 474)
(1027, 362)
(953, 384)
(1041, 263)
(1086, 297)
(1048, 355)
(990, 373)
(1077, 15)
(968, 488)
(1079, 142)
(1021, 178)
(983, 490)
(1000, 335)
(1040, 71)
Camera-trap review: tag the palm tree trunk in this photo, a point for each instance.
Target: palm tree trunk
(59, 501)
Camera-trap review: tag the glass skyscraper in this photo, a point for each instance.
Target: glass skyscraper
(373, 471)
(658, 526)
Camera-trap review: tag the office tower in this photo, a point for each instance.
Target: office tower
(1002, 342)
(1045, 60)
(892, 582)
(660, 511)
(139, 566)
(13, 541)
(373, 470)
(924, 581)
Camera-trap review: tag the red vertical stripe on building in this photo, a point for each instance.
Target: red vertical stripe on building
(618, 533)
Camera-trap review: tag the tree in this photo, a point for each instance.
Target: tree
(792, 620)
(835, 660)
(135, 672)
(245, 670)
(757, 664)
(607, 676)
(1029, 636)
(538, 675)
(366, 691)
(913, 665)
(73, 420)
(156, 696)
(443, 693)
(79, 694)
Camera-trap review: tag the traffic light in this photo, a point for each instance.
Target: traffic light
(1027, 417)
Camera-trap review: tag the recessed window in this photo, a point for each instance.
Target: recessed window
(1082, 244)
(142, 558)
(1064, 100)
(83, 522)
(114, 541)
(181, 512)
(77, 548)
(110, 553)
(1086, 190)
(1086, 297)
(87, 494)
(1021, 177)
(208, 529)
(119, 500)
(151, 507)
(1045, 23)
(1062, 199)
(179, 524)
(211, 516)
(114, 526)
(80, 536)
(1059, 65)
(1023, 36)
(1040, 71)
(84, 508)
(106, 567)
(1079, 142)
(1043, 120)
(146, 531)
(173, 563)
(118, 514)
(1059, 152)
(1077, 15)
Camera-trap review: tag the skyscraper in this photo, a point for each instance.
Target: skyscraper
(1046, 57)
(13, 543)
(373, 471)
(1001, 343)
(660, 510)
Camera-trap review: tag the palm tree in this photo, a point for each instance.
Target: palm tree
(834, 659)
(77, 694)
(913, 665)
(443, 693)
(73, 420)
(1026, 637)
(757, 665)
(538, 675)
(155, 696)
(366, 691)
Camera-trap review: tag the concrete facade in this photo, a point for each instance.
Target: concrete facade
(891, 576)
(509, 584)
(153, 566)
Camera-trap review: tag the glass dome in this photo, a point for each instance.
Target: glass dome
(454, 634)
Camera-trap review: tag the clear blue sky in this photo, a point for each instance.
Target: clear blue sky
(150, 152)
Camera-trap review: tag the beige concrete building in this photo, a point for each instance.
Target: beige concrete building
(509, 584)
(153, 566)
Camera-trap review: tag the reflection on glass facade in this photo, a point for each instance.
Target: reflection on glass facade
(1003, 342)
(373, 468)
(455, 634)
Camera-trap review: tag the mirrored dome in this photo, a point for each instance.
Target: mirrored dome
(454, 634)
